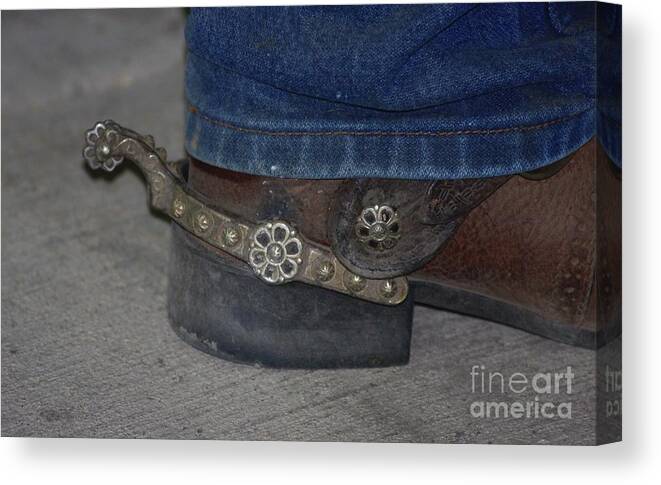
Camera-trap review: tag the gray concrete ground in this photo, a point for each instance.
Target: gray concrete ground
(86, 347)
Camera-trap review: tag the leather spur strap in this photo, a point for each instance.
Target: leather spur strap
(275, 251)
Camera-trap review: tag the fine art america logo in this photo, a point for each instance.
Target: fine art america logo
(517, 395)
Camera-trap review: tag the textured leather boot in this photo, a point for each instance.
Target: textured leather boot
(539, 251)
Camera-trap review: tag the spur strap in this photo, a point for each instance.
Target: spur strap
(274, 250)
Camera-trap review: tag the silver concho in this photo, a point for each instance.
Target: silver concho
(275, 252)
(378, 227)
(98, 148)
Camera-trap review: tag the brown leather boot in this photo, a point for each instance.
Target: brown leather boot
(324, 273)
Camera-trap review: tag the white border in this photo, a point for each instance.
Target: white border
(636, 460)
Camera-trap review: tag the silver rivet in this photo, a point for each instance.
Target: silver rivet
(178, 208)
(389, 288)
(230, 236)
(354, 283)
(324, 270)
(275, 253)
(202, 221)
(157, 181)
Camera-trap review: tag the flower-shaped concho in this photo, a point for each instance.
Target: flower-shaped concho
(378, 227)
(275, 252)
(98, 147)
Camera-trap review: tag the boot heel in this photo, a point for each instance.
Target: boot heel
(219, 306)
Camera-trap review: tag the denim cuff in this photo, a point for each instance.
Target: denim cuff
(497, 89)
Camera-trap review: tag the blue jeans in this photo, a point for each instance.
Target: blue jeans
(441, 91)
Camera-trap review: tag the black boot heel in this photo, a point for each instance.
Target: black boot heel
(219, 306)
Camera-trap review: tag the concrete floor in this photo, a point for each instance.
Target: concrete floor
(86, 346)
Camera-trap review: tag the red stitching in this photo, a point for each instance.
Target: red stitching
(493, 131)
